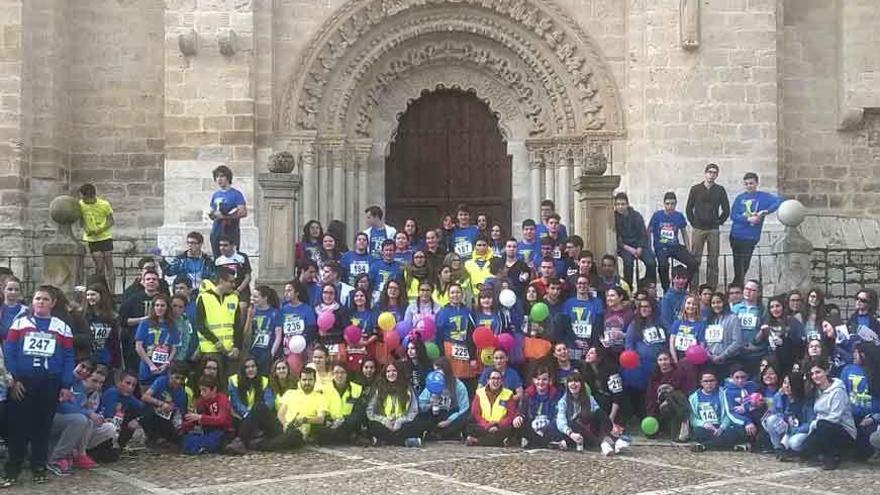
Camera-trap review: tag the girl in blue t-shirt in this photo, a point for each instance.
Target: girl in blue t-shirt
(264, 323)
(487, 315)
(298, 319)
(360, 315)
(310, 245)
(102, 326)
(155, 340)
(862, 381)
(12, 307)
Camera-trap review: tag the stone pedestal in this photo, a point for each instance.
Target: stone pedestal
(63, 264)
(595, 212)
(279, 223)
(795, 253)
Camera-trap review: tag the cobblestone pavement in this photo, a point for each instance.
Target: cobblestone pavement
(450, 469)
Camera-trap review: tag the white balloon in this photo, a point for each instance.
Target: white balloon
(507, 298)
(296, 344)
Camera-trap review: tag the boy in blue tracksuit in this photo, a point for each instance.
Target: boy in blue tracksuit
(747, 214)
(737, 390)
(120, 407)
(710, 420)
(39, 359)
(535, 421)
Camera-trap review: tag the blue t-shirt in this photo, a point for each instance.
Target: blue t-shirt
(744, 206)
(354, 264)
(112, 402)
(403, 257)
(541, 231)
(101, 331)
(377, 237)
(158, 341)
(463, 239)
(529, 251)
(585, 318)
(161, 390)
(684, 334)
(263, 329)
(664, 228)
(9, 314)
(382, 271)
(224, 202)
(365, 320)
(298, 320)
(493, 321)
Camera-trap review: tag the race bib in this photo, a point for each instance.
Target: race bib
(163, 415)
(614, 337)
(841, 334)
(615, 384)
(463, 248)
(652, 335)
(355, 350)
(714, 334)
(683, 341)
(460, 352)
(748, 320)
(295, 326)
(261, 340)
(117, 420)
(582, 329)
(39, 344)
(101, 332)
(557, 253)
(667, 235)
(359, 267)
(707, 413)
(332, 349)
(161, 354)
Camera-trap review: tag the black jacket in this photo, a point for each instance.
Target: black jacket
(703, 206)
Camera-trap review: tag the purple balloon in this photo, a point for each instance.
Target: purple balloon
(403, 328)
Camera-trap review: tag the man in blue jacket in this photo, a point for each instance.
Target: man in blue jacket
(632, 239)
(747, 214)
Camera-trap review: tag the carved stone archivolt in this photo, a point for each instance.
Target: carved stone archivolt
(550, 68)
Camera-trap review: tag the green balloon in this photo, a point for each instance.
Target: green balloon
(650, 425)
(539, 312)
(432, 350)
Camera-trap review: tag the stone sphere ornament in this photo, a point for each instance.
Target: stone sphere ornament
(64, 210)
(282, 162)
(791, 213)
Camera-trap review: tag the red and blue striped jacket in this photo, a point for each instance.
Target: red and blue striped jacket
(40, 347)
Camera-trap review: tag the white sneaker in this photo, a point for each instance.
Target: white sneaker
(607, 449)
(524, 443)
(620, 445)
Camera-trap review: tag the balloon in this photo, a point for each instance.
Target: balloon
(352, 334)
(427, 328)
(505, 341)
(507, 298)
(486, 356)
(483, 337)
(696, 355)
(325, 321)
(435, 382)
(650, 425)
(629, 359)
(296, 344)
(386, 321)
(756, 399)
(403, 328)
(432, 351)
(391, 339)
(539, 312)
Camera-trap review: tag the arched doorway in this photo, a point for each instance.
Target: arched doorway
(447, 150)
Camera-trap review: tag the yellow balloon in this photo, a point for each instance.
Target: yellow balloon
(486, 355)
(386, 321)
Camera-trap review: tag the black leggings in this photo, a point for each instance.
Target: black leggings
(451, 432)
(259, 419)
(487, 438)
(594, 427)
(156, 426)
(827, 439)
(412, 429)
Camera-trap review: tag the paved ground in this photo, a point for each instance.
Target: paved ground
(451, 469)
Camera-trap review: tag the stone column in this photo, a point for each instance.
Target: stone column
(535, 191)
(279, 193)
(563, 185)
(63, 255)
(361, 149)
(596, 206)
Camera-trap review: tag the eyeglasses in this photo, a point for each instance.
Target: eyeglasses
(862, 300)
(193, 242)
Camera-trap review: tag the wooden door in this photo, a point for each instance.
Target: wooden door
(448, 150)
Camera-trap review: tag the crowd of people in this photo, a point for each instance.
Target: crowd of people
(450, 333)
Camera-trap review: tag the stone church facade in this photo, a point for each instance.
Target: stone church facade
(145, 97)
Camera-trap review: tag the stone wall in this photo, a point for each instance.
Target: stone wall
(13, 138)
(116, 98)
(829, 164)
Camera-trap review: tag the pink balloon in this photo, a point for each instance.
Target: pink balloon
(391, 340)
(326, 321)
(756, 399)
(505, 341)
(696, 355)
(352, 334)
(427, 328)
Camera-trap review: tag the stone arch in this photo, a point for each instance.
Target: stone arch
(559, 56)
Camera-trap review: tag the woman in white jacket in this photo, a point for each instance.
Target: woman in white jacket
(833, 429)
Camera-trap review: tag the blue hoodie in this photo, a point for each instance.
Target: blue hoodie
(670, 306)
(709, 409)
(744, 206)
(739, 396)
(864, 401)
(797, 415)
(27, 346)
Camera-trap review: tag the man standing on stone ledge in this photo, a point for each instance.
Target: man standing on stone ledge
(228, 207)
(749, 210)
(707, 210)
(96, 216)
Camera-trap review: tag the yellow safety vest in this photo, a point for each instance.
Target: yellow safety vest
(494, 412)
(476, 274)
(394, 409)
(219, 317)
(340, 406)
(249, 398)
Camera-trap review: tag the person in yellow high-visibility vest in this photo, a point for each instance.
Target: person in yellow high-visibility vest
(492, 412)
(219, 321)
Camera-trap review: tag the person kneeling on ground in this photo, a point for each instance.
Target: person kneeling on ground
(299, 412)
(711, 425)
(493, 410)
(580, 419)
(392, 412)
(447, 411)
(207, 429)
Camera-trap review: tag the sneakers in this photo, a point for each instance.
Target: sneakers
(61, 467)
(83, 461)
(235, 447)
(524, 443)
(40, 477)
(830, 463)
(685, 432)
(560, 445)
(621, 444)
(471, 441)
(8, 481)
(414, 442)
(607, 449)
(742, 447)
(698, 447)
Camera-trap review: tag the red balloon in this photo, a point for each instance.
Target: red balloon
(391, 340)
(505, 341)
(696, 355)
(352, 334)
(629, 359)
(483, 337)
(756, 399)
